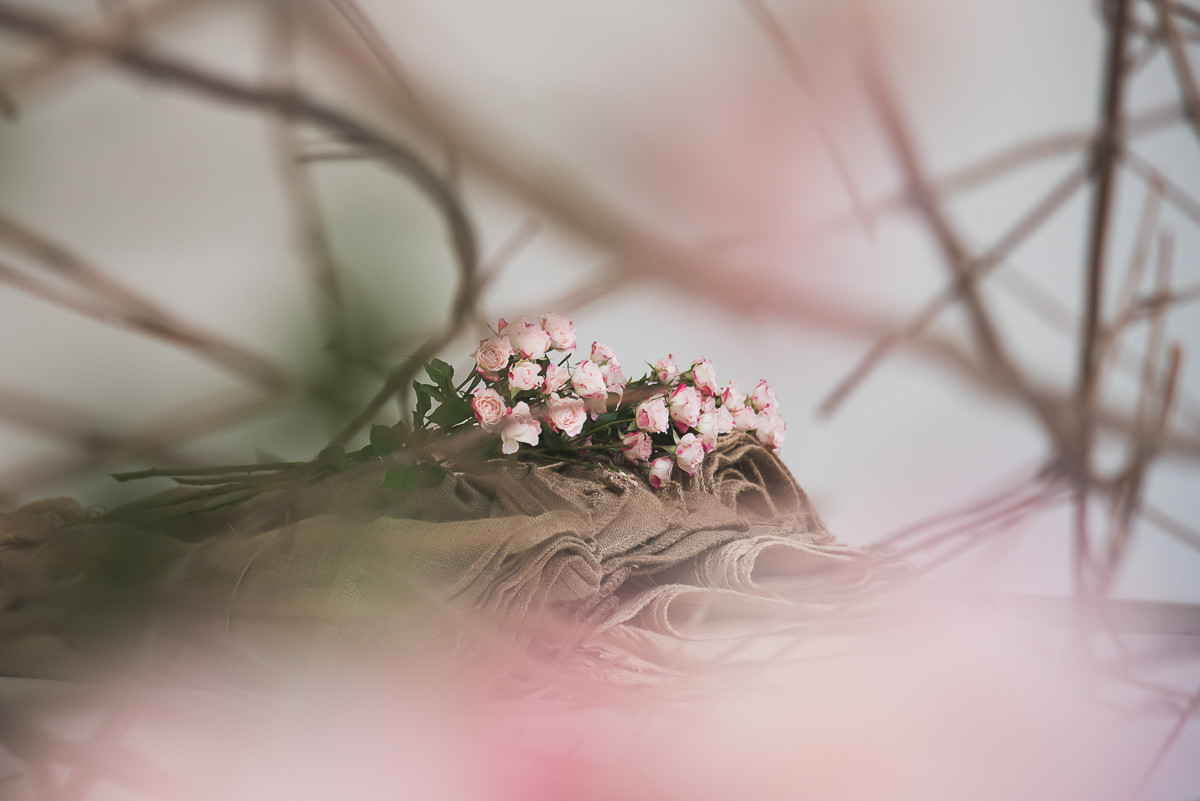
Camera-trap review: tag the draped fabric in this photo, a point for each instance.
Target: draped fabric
(634, 579)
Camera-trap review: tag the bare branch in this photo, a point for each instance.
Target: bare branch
(794, 64)
(43, 63)
(1189, 90)
(298, 186)
(1108, 142)
(977, 270)
(125, 309)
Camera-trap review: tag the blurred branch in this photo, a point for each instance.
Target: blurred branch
(1106, 148)
(298, 186)
(794, 65)
(1023, 154)
(976, 269)
(290, 104)
(45, 62)
(391, 65)
(1189, 91)
(175, 72)
(1172, 192)
(124, 307)
(1168, 743)
(102, 450)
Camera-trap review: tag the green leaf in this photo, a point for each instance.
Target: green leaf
(402, 477)
(432, 474)
(385, 440)
(453, 411)
(605, 419)
(442, 375)
(424, 394)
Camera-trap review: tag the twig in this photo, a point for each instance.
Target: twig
(1140, 256)
(1108, 141)
(1147, 434)
(1181, 64)
(289, 104)
(1168, 743)
(44, 62)
(976, 270)
(306, 209)
(1172, 192)
(392, 66)
(150, 320)
(1170, 525)
(48, 417)
(794, 65)
(1013, 157)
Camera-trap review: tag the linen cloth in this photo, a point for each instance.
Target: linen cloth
(632, 579)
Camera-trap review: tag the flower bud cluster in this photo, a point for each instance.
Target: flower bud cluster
(529, 395)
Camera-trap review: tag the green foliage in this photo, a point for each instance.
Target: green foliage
(402, 477)
(385, 440)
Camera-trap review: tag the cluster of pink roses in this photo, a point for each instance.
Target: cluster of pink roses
(680, 414)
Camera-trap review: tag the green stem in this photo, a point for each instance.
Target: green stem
(156, 472)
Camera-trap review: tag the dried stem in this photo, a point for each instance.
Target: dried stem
(298, 185)
(1106, 148)
(794, 64)
(1189, 90)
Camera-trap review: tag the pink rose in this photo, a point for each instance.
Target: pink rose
(556, 378)
(704, 376)
(707, 428)
(666, 369)
(525, 375)
(764, 397)
(685, 407)
(689, 453)
(588, 380)
(602, 353)
(526, 338)
(561, 331)
(744, 419)
(652, 415)
(771, 428)
(489, 408)
(518, 425)
(732, 398)
(492, 356)
(660, 471)
(637, 446)
(724, 420)
(614, 379)
(567, 415)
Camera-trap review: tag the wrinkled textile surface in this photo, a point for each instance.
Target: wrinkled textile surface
(643, 576)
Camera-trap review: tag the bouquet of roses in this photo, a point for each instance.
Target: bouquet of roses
(526, 391)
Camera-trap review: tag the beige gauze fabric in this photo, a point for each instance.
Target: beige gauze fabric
(628, 575)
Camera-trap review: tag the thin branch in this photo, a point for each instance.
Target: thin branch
(977, 270)
(1170, 525)
(298, 186)
(1189, 90)
(1108, 142)
(44, 62)
(1172, 192)
(289, 104)
(1013, 157)
(1168, 743)
(794, 65)
(155, 323)
(1145, 440)
(392, 66)
(48, 417)
(1140, 256)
